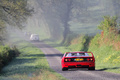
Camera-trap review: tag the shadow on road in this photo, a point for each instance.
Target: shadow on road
(54, 55)
(108, 69)
(86, 69)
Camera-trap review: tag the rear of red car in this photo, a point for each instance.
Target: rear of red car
(78, 60)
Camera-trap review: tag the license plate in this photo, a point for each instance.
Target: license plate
(79, 59)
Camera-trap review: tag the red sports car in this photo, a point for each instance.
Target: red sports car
(78, 60)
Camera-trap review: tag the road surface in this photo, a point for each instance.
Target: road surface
(54, 59)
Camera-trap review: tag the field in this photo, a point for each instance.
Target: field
(30, 65)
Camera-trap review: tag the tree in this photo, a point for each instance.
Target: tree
(66, 18)
(48, 15)
(16, 11)
(13, 12)
(61, 15)
(109, 24)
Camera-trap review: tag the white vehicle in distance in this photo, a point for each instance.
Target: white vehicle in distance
(34, 37)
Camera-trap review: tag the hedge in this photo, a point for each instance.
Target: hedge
(7, 54)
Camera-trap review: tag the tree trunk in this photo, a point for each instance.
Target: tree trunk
(66, 20)
(65, 33)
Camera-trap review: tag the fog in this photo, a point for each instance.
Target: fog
(56, 18)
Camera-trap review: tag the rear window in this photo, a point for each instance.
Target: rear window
(77, 54)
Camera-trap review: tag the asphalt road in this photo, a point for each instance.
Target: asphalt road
(54, 59)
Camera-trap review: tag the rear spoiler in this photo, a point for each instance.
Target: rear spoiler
(80, 52)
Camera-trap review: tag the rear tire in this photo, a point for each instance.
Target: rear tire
(91, 68)
(64, 69)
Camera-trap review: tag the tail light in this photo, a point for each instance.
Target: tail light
(67, 60)
(89, 59)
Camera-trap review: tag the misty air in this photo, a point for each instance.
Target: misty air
(59, 39)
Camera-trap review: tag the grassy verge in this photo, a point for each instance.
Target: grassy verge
(107, 58)
(30, 65)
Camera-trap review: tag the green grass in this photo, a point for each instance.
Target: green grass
(107, 58)
(30, 65)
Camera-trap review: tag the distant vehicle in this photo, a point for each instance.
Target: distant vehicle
(34, 37)
(78, 60)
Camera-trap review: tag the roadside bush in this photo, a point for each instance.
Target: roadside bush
(106, 46)
(110, 35)
(80, 43)
(7, 54)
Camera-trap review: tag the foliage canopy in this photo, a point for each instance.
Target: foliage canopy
(13, 13)
(108, 24)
